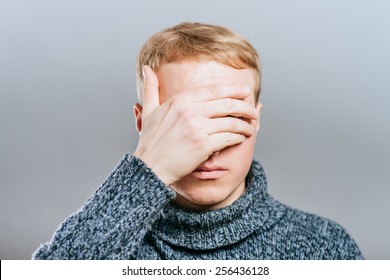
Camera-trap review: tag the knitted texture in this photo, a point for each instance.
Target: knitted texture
(132, 216)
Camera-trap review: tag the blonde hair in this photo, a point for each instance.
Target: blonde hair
(197, 41)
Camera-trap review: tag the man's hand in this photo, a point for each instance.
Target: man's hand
(183, 132)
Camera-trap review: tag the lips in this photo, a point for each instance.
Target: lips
(209, 172)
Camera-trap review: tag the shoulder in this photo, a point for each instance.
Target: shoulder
(316, 237)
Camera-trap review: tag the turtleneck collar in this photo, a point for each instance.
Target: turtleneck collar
(254, 210)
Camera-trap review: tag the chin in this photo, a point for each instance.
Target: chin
(207, 194)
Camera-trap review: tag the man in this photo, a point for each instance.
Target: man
(191, 189)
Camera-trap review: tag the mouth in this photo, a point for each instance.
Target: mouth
(209, 172)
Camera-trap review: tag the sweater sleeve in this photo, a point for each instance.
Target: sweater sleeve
(115, 219)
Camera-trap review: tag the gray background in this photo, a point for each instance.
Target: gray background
(67, 86)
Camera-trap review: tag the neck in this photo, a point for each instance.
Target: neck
(253, 210)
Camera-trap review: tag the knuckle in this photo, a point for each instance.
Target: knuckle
(233, 138)
(213, 92)
(200, 143)
(187, 115)
(232, 124)
(229, 138)
(193, 127)
(179, 109)
(229, 104)
(182, 109)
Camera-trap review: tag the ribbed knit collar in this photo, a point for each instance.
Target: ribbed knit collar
(254, 210)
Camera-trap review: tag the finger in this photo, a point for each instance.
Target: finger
(230, 124)
(229, 107)
(220, 141)
(151, 94)
(218, 92)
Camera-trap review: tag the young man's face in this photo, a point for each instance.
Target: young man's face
(211, 190)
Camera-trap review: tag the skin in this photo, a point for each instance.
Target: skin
(198, 127)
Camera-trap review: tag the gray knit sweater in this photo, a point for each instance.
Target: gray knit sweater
(132, 216)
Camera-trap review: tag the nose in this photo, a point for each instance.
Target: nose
(215, 153)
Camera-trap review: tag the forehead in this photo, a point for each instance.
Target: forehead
(178, 77)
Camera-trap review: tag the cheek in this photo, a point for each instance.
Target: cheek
(247, 147)
(240, 159)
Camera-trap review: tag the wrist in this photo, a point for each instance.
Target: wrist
(157, 169)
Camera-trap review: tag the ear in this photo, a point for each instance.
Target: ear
(259, 108)
(137, 110)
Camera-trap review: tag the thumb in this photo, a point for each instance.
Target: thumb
(151, 98)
